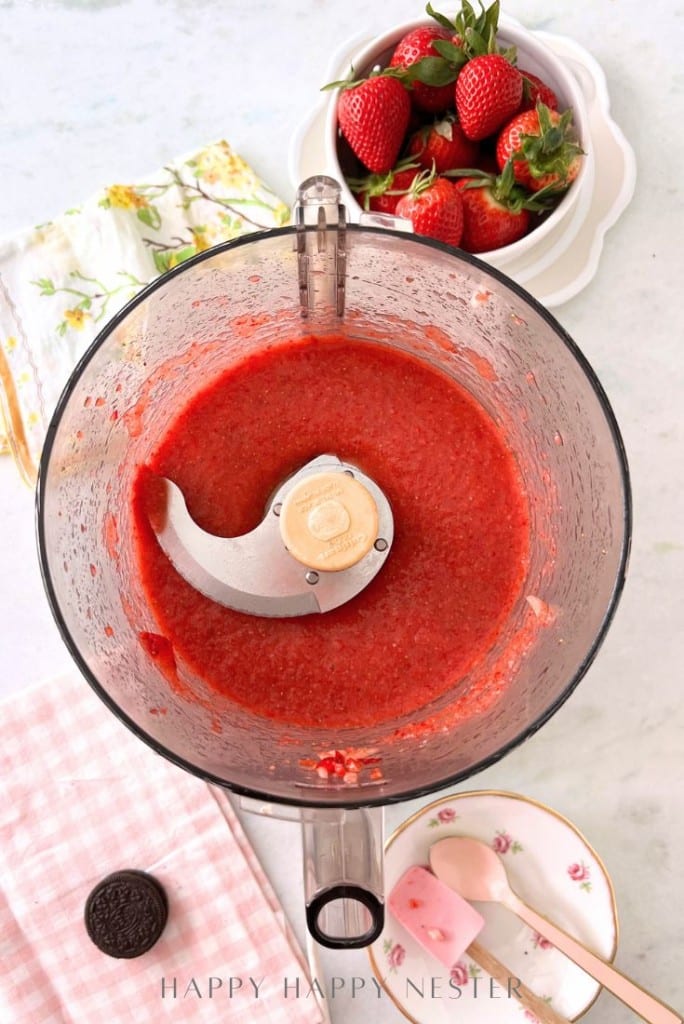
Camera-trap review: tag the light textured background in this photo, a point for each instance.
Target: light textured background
(94, 92)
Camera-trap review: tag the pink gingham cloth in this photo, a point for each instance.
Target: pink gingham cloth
(81, 797)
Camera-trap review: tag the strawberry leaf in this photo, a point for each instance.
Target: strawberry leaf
(440, 18)
(422, 181)
(454, 54)
(344, 83)
(403, 74)
(553, 150)
(478, 31)
(476, 42)
(506, 189)
(432, 71)
(482, 177)
(373, 185)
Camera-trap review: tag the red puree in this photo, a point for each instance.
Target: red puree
(461, 530)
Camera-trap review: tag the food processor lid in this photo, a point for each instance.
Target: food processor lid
(326, 533)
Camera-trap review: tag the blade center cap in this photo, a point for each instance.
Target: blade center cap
(329, 521)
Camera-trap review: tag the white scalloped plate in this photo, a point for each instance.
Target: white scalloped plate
(553, 272)
(549, 864)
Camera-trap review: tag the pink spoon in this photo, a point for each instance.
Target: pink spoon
(473, 870)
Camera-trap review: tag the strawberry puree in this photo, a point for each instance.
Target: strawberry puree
(461, 531)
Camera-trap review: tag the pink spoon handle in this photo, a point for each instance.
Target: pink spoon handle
(645, 1005)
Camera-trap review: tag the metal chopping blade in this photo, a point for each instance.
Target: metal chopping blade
(256, 573)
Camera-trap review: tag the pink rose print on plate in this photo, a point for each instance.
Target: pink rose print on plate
(444, 817)
(459, 974)
(504, 843)
(395, 954)
(581, 874)
(539, 942)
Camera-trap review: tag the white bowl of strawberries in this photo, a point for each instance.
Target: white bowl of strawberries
(469, 127)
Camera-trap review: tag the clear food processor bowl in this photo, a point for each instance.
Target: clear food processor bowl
(442, 306)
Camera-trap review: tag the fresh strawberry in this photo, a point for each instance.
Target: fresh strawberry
(496, 210)
(488, 92)
(373, 116)
(435, 208)
(443, 145)
(488, 224)
(415, 46)
(535, 89)
(382, 192)
(433, 56)
(542, 147)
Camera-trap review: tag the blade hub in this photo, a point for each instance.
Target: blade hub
(326, 534)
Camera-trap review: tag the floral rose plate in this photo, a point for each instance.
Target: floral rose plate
(550, 865)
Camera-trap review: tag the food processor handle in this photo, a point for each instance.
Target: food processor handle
(343, 875)
(321, 225)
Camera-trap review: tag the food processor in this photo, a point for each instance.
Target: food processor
(441, 306)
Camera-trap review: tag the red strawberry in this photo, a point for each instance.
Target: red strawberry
(543, 149)
(443, 145)
(382, 192)
(373, 116)
(496, 210)
(488, 92)
(415, 46)
(435, 208)
(535, 89)
(488, 223)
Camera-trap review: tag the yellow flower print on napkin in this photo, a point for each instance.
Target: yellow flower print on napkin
(220, 194)
(218, 164)
(62, 281)
(76, 318)
(124, 197)
(93, 297)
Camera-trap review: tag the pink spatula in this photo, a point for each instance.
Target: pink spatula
(472, 869)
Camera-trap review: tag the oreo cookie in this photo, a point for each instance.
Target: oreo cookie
(126, 913)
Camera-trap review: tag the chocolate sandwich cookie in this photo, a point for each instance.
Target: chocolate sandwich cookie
(126, 913)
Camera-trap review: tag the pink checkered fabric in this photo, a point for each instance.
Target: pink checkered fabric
(80, 797)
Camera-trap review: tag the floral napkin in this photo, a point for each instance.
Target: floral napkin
(62, 281)
(81, 797)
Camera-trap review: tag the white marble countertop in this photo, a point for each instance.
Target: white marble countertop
(94, 91)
